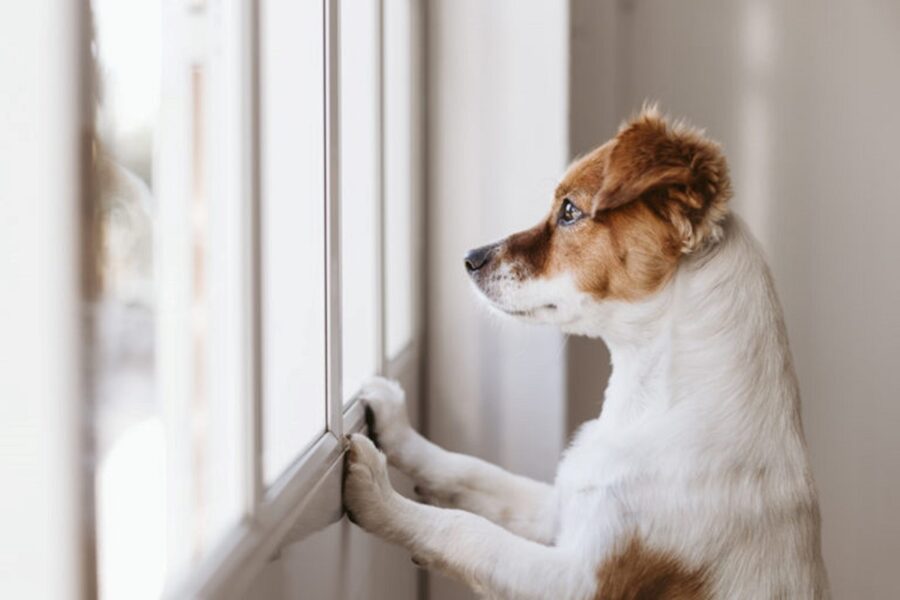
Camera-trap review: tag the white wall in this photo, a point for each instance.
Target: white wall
(497, 101)
(42, 446)
(805, 97)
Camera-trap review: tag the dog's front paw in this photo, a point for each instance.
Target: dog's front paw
(368, 495)
(386, 414)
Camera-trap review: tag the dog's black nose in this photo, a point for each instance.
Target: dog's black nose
(477, 258)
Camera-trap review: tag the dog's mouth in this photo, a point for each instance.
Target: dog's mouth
(528, 312)
(499, 299)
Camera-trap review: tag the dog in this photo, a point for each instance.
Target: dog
(694, 481)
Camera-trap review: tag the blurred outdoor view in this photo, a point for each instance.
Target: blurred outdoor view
(130, 484)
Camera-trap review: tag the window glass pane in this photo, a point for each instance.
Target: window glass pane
(130, 431)
(398, 173)
(292, 229)
(360, 191)
(168, 473)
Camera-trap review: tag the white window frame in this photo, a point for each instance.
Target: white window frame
(307, 496)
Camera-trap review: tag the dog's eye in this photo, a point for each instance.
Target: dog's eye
(568, 213)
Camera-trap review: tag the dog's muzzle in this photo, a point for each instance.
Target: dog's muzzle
(478, 258)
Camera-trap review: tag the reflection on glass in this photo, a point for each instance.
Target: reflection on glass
(167, 479)
(130, 433)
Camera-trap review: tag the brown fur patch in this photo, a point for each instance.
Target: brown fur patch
(623, 254)
(638, 573)
(532, 246)
(687, 170)
(652, 194)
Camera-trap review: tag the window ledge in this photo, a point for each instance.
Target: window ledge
(306, 499)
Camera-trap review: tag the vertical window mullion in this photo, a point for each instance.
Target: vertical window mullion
(381, 351)
(250, 58)
(334, 393)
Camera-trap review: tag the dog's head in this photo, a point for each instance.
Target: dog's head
(620, 222)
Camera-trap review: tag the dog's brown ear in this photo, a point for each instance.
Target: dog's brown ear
(681, 172)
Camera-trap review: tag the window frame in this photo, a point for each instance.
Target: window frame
(306, 497)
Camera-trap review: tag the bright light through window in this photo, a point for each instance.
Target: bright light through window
(130, 483)
(292, 233)
(360, 191)
(168, 479)
(398, 177)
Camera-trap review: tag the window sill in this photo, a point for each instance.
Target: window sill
(306, 499)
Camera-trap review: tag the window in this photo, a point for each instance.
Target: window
(360, 110)
(400, 176)
(252, 241)
(292, 236)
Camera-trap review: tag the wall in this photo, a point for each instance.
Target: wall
(593, 117)
(42, 441)
(804, 96)
(497, 100)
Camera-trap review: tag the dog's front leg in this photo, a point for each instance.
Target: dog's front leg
(448, 479)
(492, 560)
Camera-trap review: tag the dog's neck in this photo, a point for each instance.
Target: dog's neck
(712, 341)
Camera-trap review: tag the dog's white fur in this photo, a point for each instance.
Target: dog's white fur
(699, 450)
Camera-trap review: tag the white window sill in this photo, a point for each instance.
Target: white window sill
(306, 499)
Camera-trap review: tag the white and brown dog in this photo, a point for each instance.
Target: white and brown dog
(694, 481)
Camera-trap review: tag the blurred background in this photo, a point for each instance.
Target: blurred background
(172, 322)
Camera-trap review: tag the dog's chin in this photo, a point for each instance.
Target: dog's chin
(531, 311)
(526, 306)
(539, 314)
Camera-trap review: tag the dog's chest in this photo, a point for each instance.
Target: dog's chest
(603, 484)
